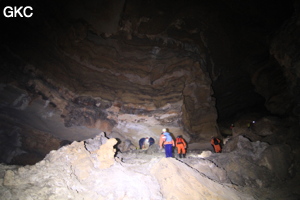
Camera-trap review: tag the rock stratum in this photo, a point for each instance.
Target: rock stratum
(129, 69)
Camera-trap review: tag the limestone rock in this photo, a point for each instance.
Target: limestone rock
(267, 126)
(9, 178)
(93, 144)
(186, 183)
(278, 159)
(106, 153)
(246, 153)
(73, 172)
(153, 149)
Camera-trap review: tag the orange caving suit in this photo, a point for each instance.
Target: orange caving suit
(181, 145)
(217, 147)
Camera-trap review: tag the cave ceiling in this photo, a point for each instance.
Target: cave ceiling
(134, 67)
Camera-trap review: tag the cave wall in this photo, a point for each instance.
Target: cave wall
(90, 74)
(285, 49)
(131, 68)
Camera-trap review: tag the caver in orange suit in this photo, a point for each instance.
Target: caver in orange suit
(181, 146)
(216, 145)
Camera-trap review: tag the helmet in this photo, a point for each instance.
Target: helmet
(164, 130)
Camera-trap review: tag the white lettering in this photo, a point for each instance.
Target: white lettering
(9, 13)
(27, 7)
(15, 11)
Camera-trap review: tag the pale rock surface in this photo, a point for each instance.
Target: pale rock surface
(76, 172)
(106, 153)
(178, 181)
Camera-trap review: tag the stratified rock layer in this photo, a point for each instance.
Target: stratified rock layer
(130, 68)
(129, 88)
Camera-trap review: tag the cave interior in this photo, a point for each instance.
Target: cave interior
(130, 68)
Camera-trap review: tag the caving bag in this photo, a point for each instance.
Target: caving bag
(216, 142)
(179, 140)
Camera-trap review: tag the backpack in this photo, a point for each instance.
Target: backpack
(151, 140)
(179, 141)
(216, 142)
(168, 137)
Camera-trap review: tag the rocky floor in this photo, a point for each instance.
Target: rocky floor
(81, 171)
